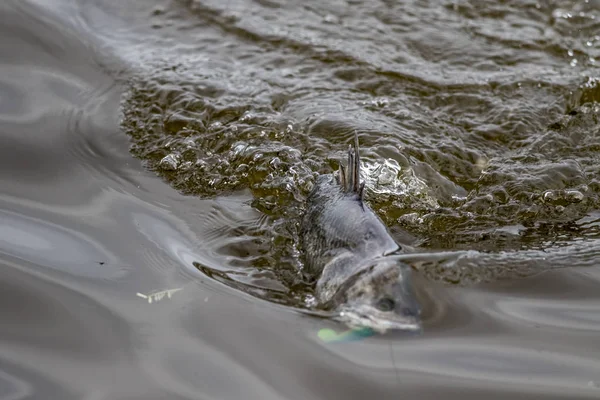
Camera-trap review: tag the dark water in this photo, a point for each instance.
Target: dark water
(168, 146)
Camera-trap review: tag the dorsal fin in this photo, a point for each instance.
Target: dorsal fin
(349, 176)
(356, 165)
(350, 173)
(342, 176)
(361, 190)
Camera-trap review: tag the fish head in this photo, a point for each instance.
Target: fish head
(381, 297)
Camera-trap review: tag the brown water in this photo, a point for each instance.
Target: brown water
(169, 145)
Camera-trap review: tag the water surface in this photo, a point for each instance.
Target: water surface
(167, 147)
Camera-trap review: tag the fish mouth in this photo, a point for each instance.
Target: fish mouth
(379, 323)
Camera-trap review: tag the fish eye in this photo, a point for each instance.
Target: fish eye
(385, 304)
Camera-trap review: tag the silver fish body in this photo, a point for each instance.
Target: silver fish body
(350, 251)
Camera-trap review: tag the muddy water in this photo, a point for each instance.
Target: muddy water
(155, 157)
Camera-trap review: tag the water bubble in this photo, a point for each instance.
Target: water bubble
(558, 13)
(223, 163)
(247, 117)
(186, 166)
(382, 102)
(169, 162)
(574, 196)
(386, 176)
(242, 168)
(549, 196)
(310, 301)
(275, 163)
(330, 19)
(238, 148)
(216, 125)
(411, 218)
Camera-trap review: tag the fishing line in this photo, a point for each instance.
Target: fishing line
(394, 362)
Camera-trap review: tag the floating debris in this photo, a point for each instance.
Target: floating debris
(157, 296)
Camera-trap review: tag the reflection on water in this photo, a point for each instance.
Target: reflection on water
(52, 246)
(479, 127)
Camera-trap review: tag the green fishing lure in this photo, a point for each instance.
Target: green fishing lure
(330, 336)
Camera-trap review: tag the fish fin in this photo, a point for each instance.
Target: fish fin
(350, 170)
(342, 176)
(356, 165)
(349, 176)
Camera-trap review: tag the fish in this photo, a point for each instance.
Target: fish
(351, 254)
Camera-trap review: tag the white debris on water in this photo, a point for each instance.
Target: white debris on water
(157, 296)
(482, 163)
